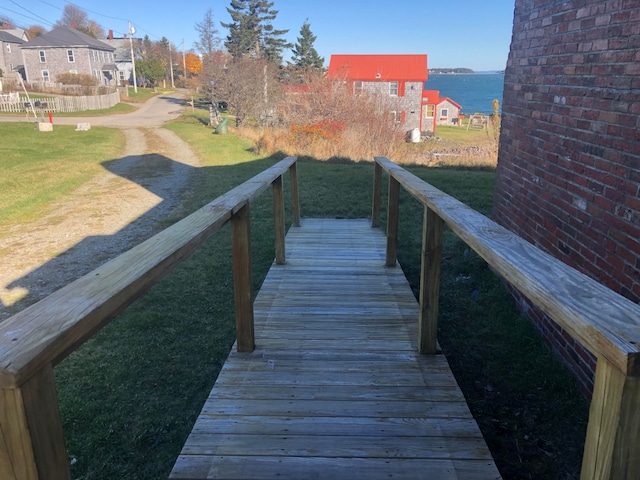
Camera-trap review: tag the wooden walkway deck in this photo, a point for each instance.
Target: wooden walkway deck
(335, 388)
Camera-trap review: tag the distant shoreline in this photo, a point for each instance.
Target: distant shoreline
(461, 71)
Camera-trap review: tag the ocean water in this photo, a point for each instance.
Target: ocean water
(474, 91)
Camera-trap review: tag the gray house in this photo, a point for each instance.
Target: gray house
(11, 62)
(67, 50)
(123, 56)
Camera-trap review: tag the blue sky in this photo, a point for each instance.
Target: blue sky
(462, 33)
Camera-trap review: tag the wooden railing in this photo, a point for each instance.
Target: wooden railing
(606, 323)
(33, 341)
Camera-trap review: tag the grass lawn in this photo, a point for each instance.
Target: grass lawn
(130, 395)
(28, 159)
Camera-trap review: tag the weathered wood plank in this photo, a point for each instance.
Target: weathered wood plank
(303, 468)
(603, 321)
(335, 378)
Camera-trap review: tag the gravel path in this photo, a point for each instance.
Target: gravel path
(104, 217)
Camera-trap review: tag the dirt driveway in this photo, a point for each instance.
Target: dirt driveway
(107, 215)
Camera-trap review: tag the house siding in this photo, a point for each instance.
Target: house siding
(9, 59)
(452, 112)
(57, 61)
(409, 103)
(568, 177)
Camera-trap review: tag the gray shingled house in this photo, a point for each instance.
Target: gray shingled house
(10, 53)
(67, 50)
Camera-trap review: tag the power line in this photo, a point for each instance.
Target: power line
(29, 11)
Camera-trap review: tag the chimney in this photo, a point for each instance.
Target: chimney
(110, 36)
(124, 35)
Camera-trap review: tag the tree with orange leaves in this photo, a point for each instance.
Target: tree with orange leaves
(193, 63)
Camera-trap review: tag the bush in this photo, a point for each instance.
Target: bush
(82, 79)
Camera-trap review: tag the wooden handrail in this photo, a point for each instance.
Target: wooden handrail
(604, 322)
(40, 336)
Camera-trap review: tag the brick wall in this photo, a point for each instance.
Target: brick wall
(569, 157)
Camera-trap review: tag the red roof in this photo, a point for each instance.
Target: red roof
(383, 68)
(433, 97)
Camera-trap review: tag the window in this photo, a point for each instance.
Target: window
(45, 75)
(70, 56)
(8, 48)
(74, 72)
(444, 112)
(43, 57)
(393, 89)
(121, 74)
(428, 111)
(357, 87)
(96, 73)
(94, 55)
(102, 54)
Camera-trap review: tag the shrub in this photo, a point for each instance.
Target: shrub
(81, 79)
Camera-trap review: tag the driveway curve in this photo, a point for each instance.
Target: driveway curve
(111, 213)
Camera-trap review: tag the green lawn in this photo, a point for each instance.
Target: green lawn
(40, 167)
(130, 395)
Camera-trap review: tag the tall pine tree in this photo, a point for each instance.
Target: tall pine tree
(251, 32)
(305, 55)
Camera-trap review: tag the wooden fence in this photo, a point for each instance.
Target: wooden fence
(604, 322)
(33, 341)
(60, 104)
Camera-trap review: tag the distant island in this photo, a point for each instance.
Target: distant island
(451, 70)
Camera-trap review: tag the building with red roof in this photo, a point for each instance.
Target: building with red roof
(401, 78)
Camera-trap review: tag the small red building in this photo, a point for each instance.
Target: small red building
(437, 110)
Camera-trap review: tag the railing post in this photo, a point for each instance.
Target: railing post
(393, 211)
(31, 439)
(278, 215)
(242, 282)
(295, 202)
(377, 195)
(432, 239)
(612, 449)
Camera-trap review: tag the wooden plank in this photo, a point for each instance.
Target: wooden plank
(393, 211)
(377, 196)
(295, 202)
(242, 280)
(606, 323)
(335, 378)
(31, 429)
(612, 449)
(302, 468)
(432, 242)
(278, 216)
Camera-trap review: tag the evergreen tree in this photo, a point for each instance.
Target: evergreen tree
(305, 55)
(251, 32)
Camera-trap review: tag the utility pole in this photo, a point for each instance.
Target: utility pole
(132, 30)
(184, 61)
(171, 66)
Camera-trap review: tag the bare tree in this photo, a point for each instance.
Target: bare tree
(249, 88)
(74, 16)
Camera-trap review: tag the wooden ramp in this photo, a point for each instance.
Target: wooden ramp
(335, 388)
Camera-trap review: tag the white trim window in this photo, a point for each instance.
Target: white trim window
(8, 48)
(444, 112)
(121, 74)
(393, 89)
(73, 72)
(45, 76)
(70, 56)
(43, 56)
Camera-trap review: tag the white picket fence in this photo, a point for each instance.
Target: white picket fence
(12, 103)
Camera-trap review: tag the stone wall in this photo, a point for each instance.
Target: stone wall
(569, 157)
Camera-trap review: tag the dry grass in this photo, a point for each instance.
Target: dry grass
(451, 147)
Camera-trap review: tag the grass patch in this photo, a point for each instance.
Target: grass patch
(30, 157)
(142, 95)
(129, 396)
(115, 110)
